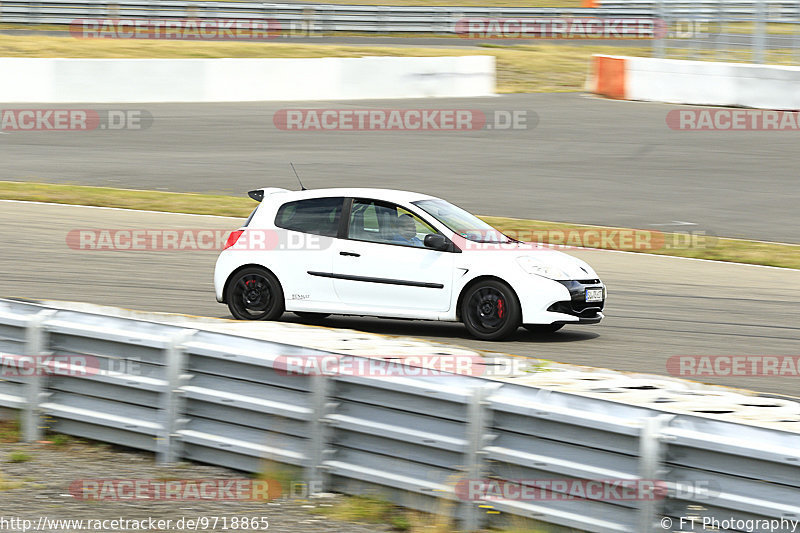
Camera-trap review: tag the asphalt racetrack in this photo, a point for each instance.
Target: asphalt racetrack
(658, 307)
(581, 159)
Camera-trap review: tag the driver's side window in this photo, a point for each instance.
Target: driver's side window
(386, 223)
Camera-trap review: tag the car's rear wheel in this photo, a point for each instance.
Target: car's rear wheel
(255, 294)
(543, 329)
(305, 315)
(490, 310)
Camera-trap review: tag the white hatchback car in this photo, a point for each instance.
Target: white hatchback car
(386, 253)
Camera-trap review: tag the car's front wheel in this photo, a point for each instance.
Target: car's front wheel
(255, 294)
(490, 310)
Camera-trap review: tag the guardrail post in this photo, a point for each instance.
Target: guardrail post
(651, 461)
(319, 438)
(760, 32)
(35, 346)
(478, 423)
(168, 444)
(658, 41)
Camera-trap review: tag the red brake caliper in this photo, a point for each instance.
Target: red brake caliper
(500, 308)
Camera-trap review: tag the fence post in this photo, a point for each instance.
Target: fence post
(760, 32)
(651, 467)
(35, 346)
(659, 41)
(171, 406)
(319, 438)
(478, 422)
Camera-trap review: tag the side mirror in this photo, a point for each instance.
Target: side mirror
(436, 242)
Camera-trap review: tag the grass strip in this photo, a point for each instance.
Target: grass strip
(673, 244)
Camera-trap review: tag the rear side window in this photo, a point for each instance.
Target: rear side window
(319, 216)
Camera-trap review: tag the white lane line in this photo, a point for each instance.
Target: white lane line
(554, 247)
(675, 223)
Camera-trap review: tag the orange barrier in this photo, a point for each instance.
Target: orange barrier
(609, 77)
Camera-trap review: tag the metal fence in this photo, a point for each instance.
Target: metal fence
(762, 31)
(727, 30)
(221, 399)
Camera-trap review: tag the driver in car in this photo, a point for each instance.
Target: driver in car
(406, 231)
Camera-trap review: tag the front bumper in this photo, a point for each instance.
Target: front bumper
(577, 306)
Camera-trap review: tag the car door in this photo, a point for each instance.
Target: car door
(382, 264)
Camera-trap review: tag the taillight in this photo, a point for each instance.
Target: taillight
(232, 238)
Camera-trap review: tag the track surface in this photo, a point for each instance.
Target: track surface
(587, 161)
(658, 307)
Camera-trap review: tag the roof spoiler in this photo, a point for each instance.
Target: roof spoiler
(258, 194)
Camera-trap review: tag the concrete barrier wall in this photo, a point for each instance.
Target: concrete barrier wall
(696, 82)
(243, 80)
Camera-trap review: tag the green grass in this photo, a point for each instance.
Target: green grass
(19, 457)
(8, 485)
(9, 431)
(372, 510)
(281, 474)
(674, 244)
(60, 440)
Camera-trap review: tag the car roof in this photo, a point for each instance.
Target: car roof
(389, 195)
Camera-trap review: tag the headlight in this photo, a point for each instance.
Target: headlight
(531, 266)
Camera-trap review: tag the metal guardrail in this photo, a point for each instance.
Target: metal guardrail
(727, 30)
(217, 398)
(312, 18)
(368, 18)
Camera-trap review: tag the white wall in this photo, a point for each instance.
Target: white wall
(243, 80)
(710, 83)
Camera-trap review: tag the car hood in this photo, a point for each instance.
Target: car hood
(572, 267)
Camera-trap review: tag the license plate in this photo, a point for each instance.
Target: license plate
(594, 295)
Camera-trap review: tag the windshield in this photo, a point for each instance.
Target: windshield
(461, 222)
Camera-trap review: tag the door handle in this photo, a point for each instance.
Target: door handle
(350, 254)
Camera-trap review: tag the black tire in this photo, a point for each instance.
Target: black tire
(305, 315)
(255, 294)
(490, 310)
(543, 329)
